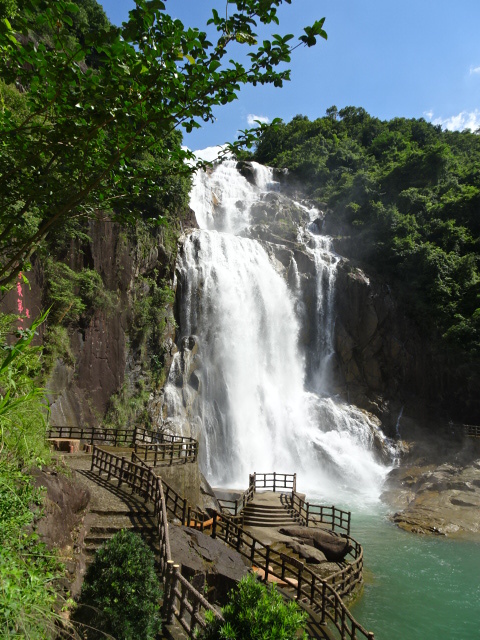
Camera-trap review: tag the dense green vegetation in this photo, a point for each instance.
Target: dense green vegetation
(407, 196)
(27, 569)
(257, 612)
(121, 592)
(97, 125)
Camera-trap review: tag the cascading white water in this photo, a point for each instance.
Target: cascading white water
(254, 409)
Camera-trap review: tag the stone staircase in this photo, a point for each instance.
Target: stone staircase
(266, 510)
(111, 509)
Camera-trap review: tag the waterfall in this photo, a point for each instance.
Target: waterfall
(257, 407)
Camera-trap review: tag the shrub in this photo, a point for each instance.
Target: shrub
(121, 593)
(257, 612)
(28, 570)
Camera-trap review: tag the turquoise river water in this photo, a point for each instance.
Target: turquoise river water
(416, 587)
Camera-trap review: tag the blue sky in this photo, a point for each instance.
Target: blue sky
(414, 58)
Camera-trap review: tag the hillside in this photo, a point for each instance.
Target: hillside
(403, 197)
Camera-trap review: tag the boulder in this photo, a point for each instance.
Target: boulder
(211, 566)
(334, 547)
(310, 554)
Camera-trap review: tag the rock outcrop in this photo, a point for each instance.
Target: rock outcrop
(334, 548)
(438, 497)
(210, 566)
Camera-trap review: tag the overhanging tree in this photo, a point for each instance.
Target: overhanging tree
(68, 149)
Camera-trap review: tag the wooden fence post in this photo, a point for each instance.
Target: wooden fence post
(324, 603)
(169, 594)
(214, 525)
(312, 590)
(333, 517)
(267, 561)
(120, 478)
(299, 583)
(184, 512)
(193, 618)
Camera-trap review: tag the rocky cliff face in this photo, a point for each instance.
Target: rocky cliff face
(109, 354)
(79, 392)
(385, 363)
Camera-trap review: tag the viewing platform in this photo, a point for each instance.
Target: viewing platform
(306, 549)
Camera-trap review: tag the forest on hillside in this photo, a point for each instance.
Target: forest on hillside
(404, 195)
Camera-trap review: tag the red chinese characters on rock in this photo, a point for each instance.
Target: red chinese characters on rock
(23, 312)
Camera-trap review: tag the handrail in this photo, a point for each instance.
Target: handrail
(471, 431)
(237, 506)
(93, 434)
(167, 452)
(311, 514)
(157, 447)
(141, 478)
(273, 481)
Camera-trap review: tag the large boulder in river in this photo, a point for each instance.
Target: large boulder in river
(335, 548)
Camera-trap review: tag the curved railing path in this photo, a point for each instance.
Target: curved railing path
(322, 598)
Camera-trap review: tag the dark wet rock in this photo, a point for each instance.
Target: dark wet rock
(246, 170)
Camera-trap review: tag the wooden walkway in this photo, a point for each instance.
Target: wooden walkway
(155, 501)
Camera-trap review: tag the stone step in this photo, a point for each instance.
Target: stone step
(253, 522)
(111, 525)
(267, 517)
(128, 511)
(261, 509)
(283, 517)
(264, 506)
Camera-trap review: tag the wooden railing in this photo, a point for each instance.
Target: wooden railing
(273, 481)
(235, 507)
(311, 514)
(94, 435)
(472, 431)
(181, 599)
(154, 447)
(102, 435)
(324, 596)
(169, 450)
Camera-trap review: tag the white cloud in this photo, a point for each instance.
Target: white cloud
(463, 120)
(210, 154)
(428, 114)
(252, 117)
(474, 70)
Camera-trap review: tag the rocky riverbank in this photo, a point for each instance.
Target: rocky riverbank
(439, 496)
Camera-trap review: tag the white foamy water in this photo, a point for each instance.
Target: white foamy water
(254, 410)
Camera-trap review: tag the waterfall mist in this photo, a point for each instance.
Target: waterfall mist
(258, 409)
